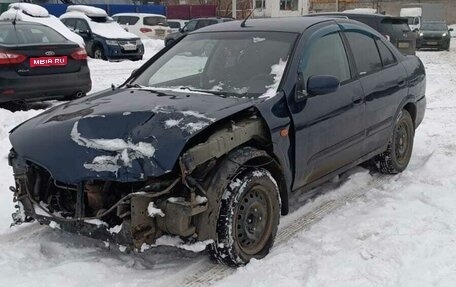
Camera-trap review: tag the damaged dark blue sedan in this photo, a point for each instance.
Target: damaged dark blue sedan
(210, 138)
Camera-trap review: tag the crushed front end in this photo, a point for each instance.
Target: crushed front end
(125, 213)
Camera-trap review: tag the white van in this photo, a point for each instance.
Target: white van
(144, 25)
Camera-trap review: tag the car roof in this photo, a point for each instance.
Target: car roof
(211, 18)
(20, 23)
(285, 24)
(353, 15)
(139, 14)
(435, 22)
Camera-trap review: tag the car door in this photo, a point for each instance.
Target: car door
(329, 129)
(82, 28)
(383, 79)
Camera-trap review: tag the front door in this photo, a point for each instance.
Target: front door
(329, 129)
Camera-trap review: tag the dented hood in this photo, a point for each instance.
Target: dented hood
(124, 135)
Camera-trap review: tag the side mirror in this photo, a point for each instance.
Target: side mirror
(450, 30)
(181, 30)
(322, 85)
(133, 72)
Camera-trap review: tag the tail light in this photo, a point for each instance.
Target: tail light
(387, 37)
(79, 54)
(8, 58)
(145, 30)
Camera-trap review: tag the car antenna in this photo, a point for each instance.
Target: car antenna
(245, 20)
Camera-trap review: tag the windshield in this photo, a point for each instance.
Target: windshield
(434, 27)
(174, 25)
(226, 64)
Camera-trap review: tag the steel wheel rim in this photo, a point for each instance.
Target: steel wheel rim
(401, 140)
(253, 220)
(97, 54)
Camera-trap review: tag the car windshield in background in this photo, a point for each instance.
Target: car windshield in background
(396, 26)
(29, 34)
(227, 64)
(154, 21)
(434, 27)
(101, 19)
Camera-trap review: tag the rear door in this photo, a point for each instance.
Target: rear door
(383, 79)
(329, 129)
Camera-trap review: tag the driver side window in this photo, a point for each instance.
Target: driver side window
(327, 56)
(81, 26)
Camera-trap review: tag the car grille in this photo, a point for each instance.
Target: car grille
(432, 37)
(126, 42)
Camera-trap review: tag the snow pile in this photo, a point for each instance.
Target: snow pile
(50, 21)
(276, 71)
(30, 9)
(88, 10)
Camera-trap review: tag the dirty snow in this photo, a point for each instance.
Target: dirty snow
(400, 233)
(154, 211)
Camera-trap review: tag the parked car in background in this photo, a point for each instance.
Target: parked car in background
(38, 63)
(193, 25)
(435, 35)
(394, 29)
(417, 13)
(208, 140)
(105, 39)
(144, 25)
(176, 24)
(37, 14)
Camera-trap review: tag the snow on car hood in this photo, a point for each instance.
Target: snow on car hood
(124, 135)
(111, 30)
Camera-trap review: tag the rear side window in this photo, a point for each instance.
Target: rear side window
(385, 53)
(154, 21)
(28, 34)
(327, 56)
(70, 23)
(365, 52)
(81, 26)
(123, 20)
(204, 23)
(133, 20)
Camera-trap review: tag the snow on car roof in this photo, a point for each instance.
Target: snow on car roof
(30, 9)
(50, 21)
(139, 14)
(88, 10)
(110, 29)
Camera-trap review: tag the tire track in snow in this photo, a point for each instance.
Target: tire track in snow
(211, 273)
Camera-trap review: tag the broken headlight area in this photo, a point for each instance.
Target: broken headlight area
(130, 214)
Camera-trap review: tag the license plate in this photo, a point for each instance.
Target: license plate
(431, 43)
(129, 47)
(48, 61)
(403, 45)
(159, 32)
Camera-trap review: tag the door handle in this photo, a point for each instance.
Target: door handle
(357, 101)
(401, 83)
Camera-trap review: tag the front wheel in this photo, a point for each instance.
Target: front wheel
(248, 218)
(399, 151)
(98, 53)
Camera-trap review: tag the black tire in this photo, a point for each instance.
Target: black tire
(399, 151)
(98, 53)
(137, 59)
(248, 219)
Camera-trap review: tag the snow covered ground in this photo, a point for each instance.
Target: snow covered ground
(369, 230)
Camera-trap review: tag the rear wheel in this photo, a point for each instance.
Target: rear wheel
(399, 151)
(248, 218)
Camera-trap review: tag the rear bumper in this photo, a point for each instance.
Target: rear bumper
(14, 87)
